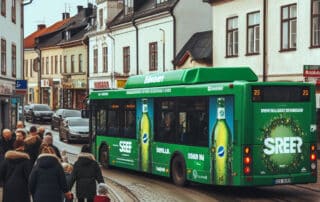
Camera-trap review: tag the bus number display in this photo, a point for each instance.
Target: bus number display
(280, 94)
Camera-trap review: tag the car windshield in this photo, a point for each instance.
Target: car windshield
(79, 122)
(72, 113)
(41, 108)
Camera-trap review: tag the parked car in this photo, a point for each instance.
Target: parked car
(61, 114)
(74, 128)
(25, 110)
(39, 113)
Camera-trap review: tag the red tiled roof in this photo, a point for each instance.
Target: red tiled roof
(29, 41)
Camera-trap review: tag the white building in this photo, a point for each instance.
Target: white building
(11, 42)
(144, 36)
(278, 39)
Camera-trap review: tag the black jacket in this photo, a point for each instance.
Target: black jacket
(14, 173)
(32, 146)
(47, 181)
(86, 172)
(5, 145)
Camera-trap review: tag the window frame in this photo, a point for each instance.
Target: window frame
(126, 59)
(80, 62)
(254, 27)
(153, 56)
(56, 64)
(14, 11)
(4, 8)
(65, 60)
(72, 64)
(312, 31)
(105, 59)
(3, 56)
(233, 31)
(13, 60)
(95, 60)
(288, 21)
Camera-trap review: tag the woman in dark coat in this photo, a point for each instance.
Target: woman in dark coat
(47, 181)
(86, 172)
(14, 173)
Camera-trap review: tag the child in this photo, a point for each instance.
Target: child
(67, 168)
(102, 193)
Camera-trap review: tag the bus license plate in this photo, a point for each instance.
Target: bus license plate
(283, 181)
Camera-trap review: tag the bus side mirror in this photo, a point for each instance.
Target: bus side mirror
(84, 113)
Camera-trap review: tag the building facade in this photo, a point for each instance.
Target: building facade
(11, 37)
(144, 37)
(279, 40)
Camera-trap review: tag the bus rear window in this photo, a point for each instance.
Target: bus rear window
(280, 93)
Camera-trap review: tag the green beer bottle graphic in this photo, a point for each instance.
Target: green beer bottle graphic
(221, 140)
(145, 138)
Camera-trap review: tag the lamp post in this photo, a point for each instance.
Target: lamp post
(163, 49)
(38, 61)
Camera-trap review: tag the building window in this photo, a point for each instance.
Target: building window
(232, 37)
(14, 60)
(153, 56)
(72, 63)
(126, 59)
(42, 66)
(65, 64)
(315, 23)
(56, 64)
(47, 65)
(60, 63)
(31, 66)
(105, 59)
(13, 11)
(289, 27)
(52, 63)
(3, 57)
(253, 33)
(80, 63)
(26, 68)
(95, 61)
(128, 7)
(101, 17)
(3, 7)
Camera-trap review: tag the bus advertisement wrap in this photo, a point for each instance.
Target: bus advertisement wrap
(221, 125)
(283, 133)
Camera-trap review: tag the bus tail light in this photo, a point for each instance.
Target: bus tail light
(313, 158)
(247, 160)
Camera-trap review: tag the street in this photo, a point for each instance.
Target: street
(126, 185)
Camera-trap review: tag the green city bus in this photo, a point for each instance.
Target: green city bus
(211, 125)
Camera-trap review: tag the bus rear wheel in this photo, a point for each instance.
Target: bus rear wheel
(178, 169)
(104, 156)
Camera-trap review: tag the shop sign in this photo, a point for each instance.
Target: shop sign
(311, 70)
(45, 83)
(121, 83)
(21, 87)
(101, 85)
(6, 89)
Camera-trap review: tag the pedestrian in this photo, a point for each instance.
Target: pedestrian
(32, 144)
(6, 142)
(64, 156)
(102, 193)
(20, 124)
(14, 173)
(47, 180)
(86, 172)
(41, 131)
(48, 139)
(67, 168)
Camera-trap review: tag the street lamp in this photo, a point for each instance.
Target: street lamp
(38, 63)
(163, 48)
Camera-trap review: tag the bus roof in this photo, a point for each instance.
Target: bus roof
(192, 76)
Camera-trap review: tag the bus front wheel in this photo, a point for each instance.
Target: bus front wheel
(178, 169)
(104, 156)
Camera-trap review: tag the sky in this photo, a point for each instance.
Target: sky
(48, 12)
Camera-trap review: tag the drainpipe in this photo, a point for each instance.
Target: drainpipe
(137, 44)
(113, 57)
(174, 34)
(265, 41)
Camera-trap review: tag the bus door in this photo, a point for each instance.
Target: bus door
(282, 122)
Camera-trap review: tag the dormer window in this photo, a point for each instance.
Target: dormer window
(67, 35)
(128, 7)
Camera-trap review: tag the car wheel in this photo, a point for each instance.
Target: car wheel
(178, 169)
(104, 156)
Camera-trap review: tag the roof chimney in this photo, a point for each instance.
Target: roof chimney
(41, 26)
(80, 8)
(65, 16)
